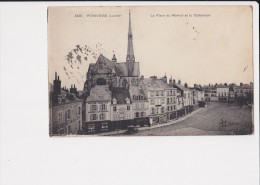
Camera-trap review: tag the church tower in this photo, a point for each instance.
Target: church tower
(130, 58)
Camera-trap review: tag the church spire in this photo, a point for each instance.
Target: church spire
(130, 49)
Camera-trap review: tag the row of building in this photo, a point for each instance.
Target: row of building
(242, 93)
(115, 96)
(148, 102)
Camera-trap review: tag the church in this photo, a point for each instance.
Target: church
(113, 73)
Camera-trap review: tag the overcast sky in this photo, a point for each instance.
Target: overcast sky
(214, 48)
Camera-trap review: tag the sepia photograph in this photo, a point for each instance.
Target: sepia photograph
(150, 70)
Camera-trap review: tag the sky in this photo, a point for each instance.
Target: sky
(213, 48)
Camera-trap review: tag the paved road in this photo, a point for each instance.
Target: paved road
(206, 122)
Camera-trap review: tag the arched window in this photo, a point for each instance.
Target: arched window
(101, 81)
(124, 82)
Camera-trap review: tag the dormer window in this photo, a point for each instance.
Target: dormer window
(127, 100)
(114, 101)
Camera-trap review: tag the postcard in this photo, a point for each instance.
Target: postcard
(150, 70)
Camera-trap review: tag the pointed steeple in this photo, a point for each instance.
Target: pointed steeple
(130, 48)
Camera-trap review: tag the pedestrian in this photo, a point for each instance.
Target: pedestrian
(221, 122)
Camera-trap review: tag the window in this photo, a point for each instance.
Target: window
(60, 116)
(168, 100)
(152, 102)
(68, 114)
(137, 114)
(78, 112)
(114, 108)
(157, 110)
(142, 106)
(93, 117)
(103, 107)
(79, 123)
(171, 93)
(167, 93)
(162, 101)
(102, 116)
(171, 107)
(162, 93)
(168, 108)
(157, 93)
(91, 128)
(128, 107)
(152, 111)
(171, 100)
(104, 126)
(93, 107)
(162, 109)
(142, 114)
(152, 93)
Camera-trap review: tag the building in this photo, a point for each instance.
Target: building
(210, 93)
(97, 109)
(244, 93)
(140, 105)
(66, 111)
(156, 92)
(185, 97)
(222, 92)
(121, 108)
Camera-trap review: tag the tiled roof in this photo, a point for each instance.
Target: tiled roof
(153, 84)
(120, 94)
(99, 93)
(137, 90)
(244, 86)
(222, 86)
(67, 98)
(181, 87)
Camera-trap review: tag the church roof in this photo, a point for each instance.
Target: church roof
(108, 65)
(122, 69)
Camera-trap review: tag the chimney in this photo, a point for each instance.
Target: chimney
(241, 84)
(142, 77)
(179, 81)
(174, 81)
(164, 78)
(186, 85)
(56, 89)
(170, 81)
